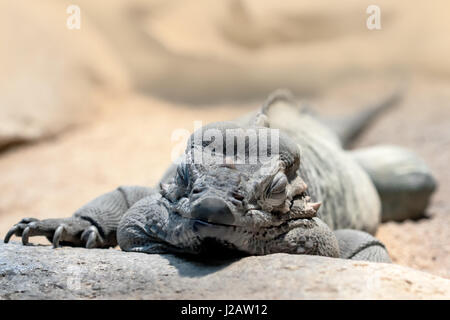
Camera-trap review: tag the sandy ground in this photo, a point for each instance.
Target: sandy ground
(131, 144)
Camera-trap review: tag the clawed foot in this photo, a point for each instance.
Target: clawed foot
(74, 232)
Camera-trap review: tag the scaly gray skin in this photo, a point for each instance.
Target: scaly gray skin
(270, 206)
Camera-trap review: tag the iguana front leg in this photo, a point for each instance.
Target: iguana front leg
(93, 226)
(151, 226)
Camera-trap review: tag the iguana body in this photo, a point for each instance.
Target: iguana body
(225, 201)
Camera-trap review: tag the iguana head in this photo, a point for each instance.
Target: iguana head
(242, 189)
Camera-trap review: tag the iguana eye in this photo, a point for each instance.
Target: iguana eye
(278, 184)
(183, 174)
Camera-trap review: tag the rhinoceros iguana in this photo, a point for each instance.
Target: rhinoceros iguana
(254, 186)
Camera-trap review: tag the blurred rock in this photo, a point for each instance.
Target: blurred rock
(69, 273)
(50, 76)
(204, 52)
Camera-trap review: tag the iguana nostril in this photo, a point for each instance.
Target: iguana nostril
(237, 196)
(213, 210)
(197, 190)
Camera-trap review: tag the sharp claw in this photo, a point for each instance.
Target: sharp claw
(91, 240)
(10, 233)
(84, 235)
(25, 236)
(58, 235)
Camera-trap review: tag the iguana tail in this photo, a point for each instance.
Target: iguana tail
(348, 128)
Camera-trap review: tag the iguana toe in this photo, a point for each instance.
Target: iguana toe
(92, 238)
(69, 231)
(11, 231)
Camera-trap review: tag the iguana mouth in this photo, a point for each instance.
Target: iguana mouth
(207, 223)
(288, 223)
(301, 209)
(285, 223)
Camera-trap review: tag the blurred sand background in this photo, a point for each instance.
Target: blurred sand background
(83, 111)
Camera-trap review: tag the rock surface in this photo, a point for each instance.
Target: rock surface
(40, 272)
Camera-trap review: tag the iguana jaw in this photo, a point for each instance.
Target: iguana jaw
(262, 232)
(255, 223)
(252, 217)
(287, 237)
